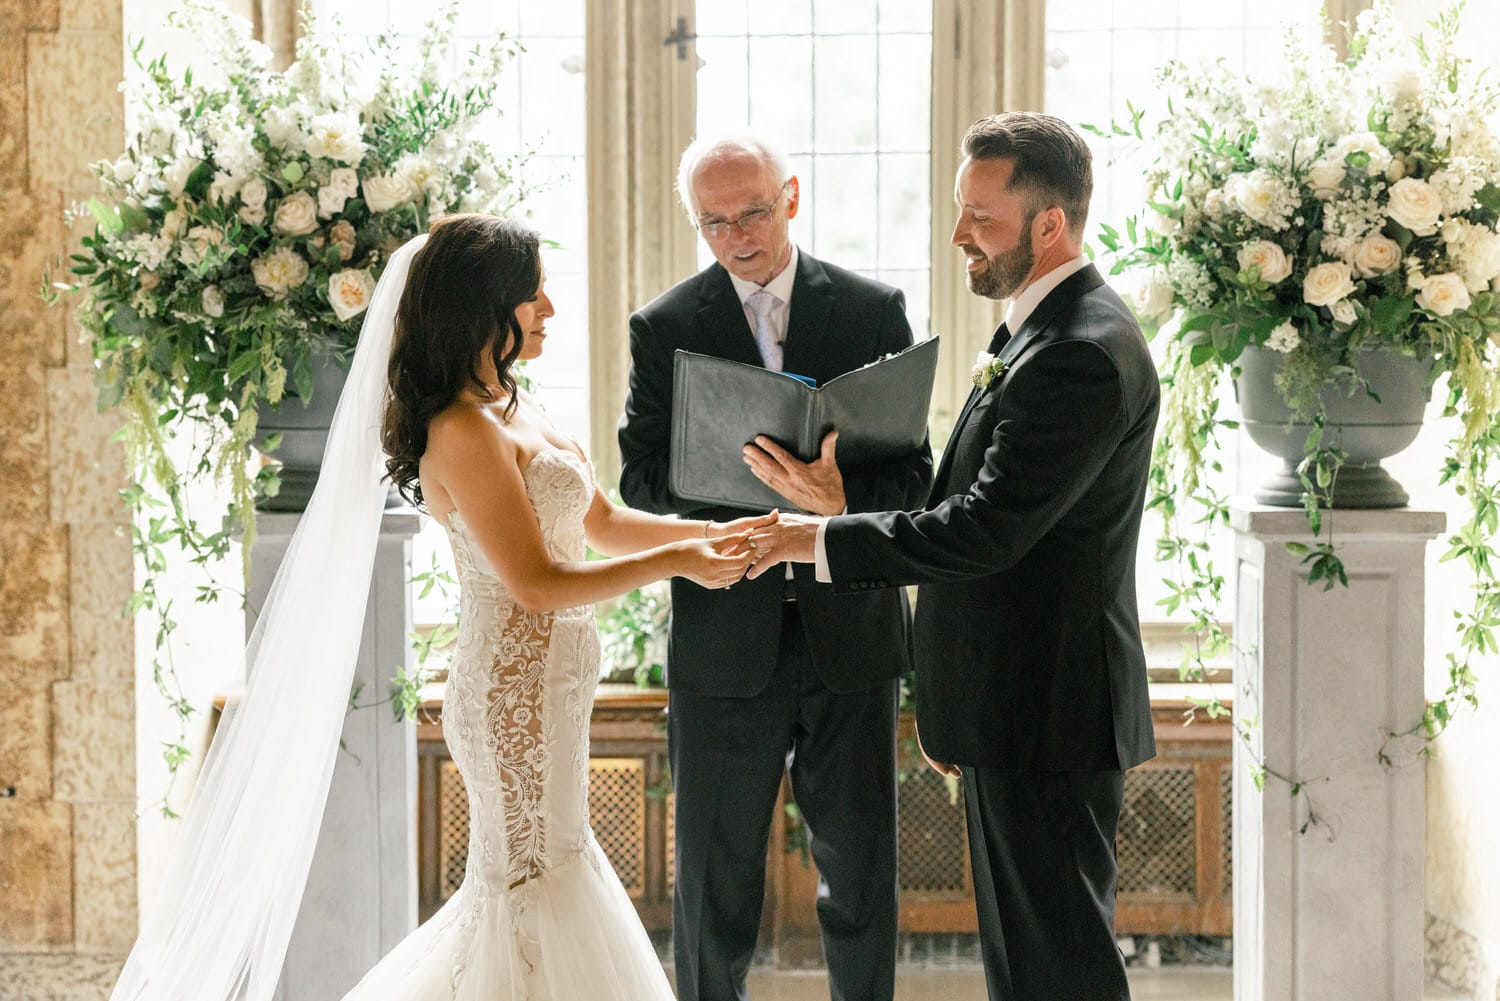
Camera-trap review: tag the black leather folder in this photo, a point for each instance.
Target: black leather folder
(719, 406)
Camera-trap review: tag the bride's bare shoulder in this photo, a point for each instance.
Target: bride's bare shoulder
(468, 432)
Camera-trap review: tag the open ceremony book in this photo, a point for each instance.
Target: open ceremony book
(719, 406)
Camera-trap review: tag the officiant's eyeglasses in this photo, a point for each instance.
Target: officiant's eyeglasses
(752, 223)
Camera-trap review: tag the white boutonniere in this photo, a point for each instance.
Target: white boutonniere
(986, 368)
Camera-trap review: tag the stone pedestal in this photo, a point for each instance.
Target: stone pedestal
(361, 894)
(1334, 911)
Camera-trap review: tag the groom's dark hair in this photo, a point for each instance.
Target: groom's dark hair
(459, 303)
(1053, 165)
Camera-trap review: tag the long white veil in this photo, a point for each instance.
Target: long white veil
(218, 930)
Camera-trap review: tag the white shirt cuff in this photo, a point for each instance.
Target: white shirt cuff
(821, 573)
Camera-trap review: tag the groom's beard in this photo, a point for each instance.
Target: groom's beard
(1005, 273)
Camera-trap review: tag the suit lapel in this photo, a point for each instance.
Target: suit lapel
(1072, 287)
(721, 319)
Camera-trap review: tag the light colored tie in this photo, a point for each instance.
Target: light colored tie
(761, 303)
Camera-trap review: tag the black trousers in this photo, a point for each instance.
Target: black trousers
(728, 756)
(1043, 850)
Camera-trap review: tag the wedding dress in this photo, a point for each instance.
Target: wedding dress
(541, 915)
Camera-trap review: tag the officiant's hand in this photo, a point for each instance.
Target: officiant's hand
(815, 486)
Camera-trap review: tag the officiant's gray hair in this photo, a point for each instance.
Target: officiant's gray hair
(725, 146)
(1053, 164)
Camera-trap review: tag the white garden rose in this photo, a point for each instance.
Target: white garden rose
(253, 195)
(279, 271)
(1269, 258)
(297, 215)
(1284, 338)
(1376, 254)
(1481, 259)
(1370, 146)
(1325, 177)
(344, 180)
(337, 136)
(349, 292)
(1414, 204)
(1343, 312)
(1152, 296)
(1443, 294)
(1261, 197)
(1327, 283)
(330, 201)
(213, 301)
(387, 191)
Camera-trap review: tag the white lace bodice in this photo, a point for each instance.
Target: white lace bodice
(520, 691)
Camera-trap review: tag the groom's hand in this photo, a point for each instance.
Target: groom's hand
(815, 486)
(792, 539)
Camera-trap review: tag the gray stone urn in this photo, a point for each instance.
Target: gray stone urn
(303, 426)
(1365, 430)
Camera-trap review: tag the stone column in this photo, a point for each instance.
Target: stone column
(1335, 910)
(361, 894)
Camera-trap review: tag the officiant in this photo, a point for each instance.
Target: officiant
(776, 675)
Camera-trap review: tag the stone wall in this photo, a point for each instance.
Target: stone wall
(67, 743)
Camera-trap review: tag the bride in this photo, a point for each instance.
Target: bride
(541, 915)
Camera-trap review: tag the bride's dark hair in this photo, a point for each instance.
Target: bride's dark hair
(460, 300)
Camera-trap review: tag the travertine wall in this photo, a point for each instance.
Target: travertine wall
(67, 844)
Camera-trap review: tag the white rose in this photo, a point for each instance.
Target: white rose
(1343, 312)
(279, 271)
(387, 191)
(1368, 144)
(1416, 205)
(344, 180)
(417, 169)
(253, 202)
(1257, 195)
(1284, 338)
(1153, 296)
(1269, 257)
(1325, 177)
(338, 137)
(1481, 259)
(1326, 284)
(330, 201)
(1376, 255)
(1443, 294)
(213, 301)
(349, 292)
(297, 215)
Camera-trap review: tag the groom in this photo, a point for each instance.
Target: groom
(1031, 682)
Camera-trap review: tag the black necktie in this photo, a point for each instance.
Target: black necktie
(998, 341)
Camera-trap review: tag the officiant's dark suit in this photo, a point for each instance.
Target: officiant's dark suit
(774, 675)
(1030, 673)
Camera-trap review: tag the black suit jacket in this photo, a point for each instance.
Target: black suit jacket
(724, 642)
(1027, 635)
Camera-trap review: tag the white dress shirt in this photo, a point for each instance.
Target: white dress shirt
(1021, 308)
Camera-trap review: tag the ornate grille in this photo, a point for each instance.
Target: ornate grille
(1156, 840)
(1226, 820)
(453, 829)
(933, 844)
(617, 812)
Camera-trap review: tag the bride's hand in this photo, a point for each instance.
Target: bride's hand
(715, 563)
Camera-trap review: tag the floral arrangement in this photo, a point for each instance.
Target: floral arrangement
(1352, 203)
(242, 232)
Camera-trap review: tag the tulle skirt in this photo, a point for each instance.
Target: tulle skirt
(570, 934)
